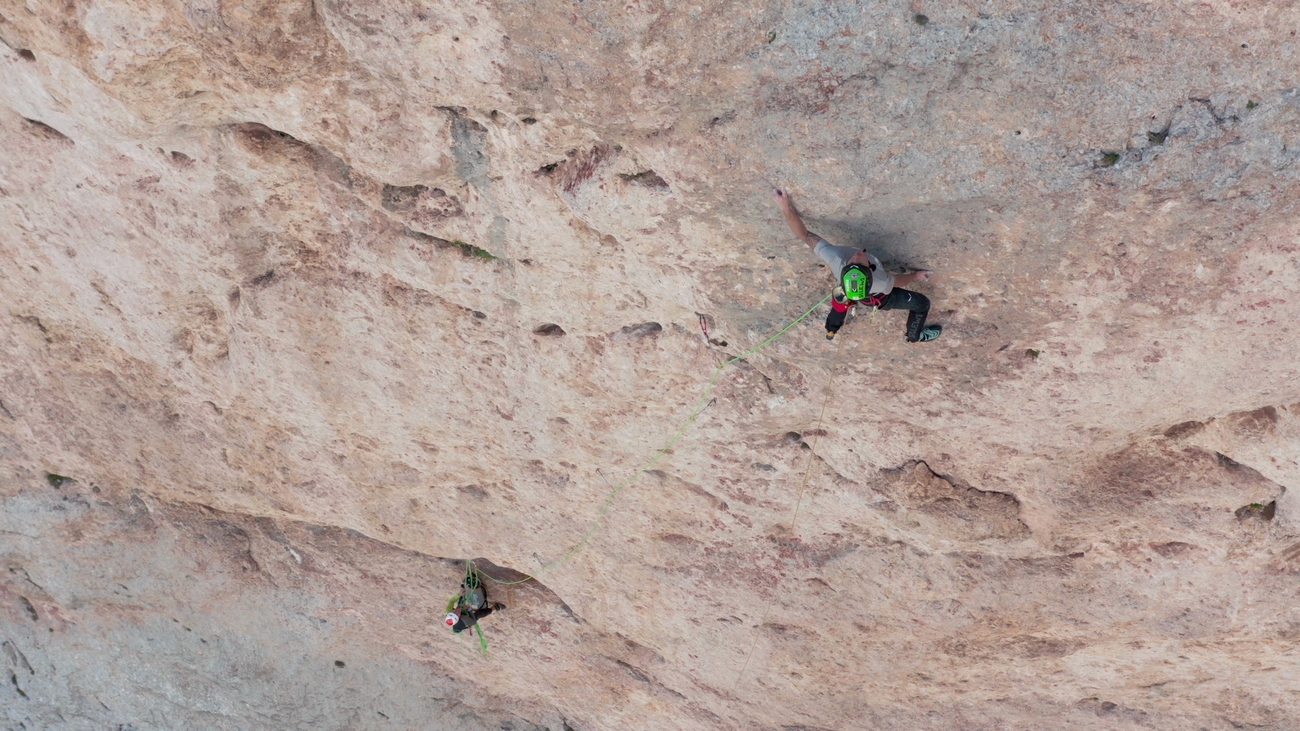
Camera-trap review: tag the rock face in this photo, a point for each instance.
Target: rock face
(303, 305)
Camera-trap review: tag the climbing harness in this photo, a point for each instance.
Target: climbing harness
(794, 519)
(700, 405)
(841, 304)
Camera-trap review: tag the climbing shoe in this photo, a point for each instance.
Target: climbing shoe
(929, 333)
(830, 334)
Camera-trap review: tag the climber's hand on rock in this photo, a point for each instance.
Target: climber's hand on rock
(916, 275)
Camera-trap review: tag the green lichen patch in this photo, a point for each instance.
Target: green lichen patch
(472, 250)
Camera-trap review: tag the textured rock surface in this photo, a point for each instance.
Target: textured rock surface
(302, 304)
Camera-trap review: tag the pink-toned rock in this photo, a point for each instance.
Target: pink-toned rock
(305, 304)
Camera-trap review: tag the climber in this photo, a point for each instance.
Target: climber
(861, 278)
(470, 605)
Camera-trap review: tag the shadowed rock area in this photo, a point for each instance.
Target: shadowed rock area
(305, 304)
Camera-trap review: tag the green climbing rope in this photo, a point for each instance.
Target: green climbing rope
(470, 582)
(695, 412)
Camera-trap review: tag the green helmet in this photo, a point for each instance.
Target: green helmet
(856, 280)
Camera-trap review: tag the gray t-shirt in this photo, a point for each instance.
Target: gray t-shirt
(837, 257)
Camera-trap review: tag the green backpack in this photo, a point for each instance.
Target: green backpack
(472, 589)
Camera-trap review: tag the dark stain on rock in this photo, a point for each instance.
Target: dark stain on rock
(469, 148)
(1146, 473)
(549, 330)
(276, 146)
(427, 205)
(427, 239)
(717, 502)
(1225, 461)
(781, 629)
(1043, 565)
(1258, 511)
(45, 131)
(642, 330)
(1172, 548)
(1107, 708)
(468, 250)
(579, 166)
(646, 178)
(259, 138)
(808, 555)
(16, 657)
(1255, 423)
(968, 512)
(1184, 429)
(28, 607)
(474, 252)
(724, 118)
(1029, 646)
(634, 671)
(400, 197)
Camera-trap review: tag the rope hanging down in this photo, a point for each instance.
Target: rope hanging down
(695, 412)
(812, 452)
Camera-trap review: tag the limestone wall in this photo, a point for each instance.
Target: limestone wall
(305, 303)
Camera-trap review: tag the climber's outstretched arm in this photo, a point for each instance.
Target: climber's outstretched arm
(920, 275)
(792, 218)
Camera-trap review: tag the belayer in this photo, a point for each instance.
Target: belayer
(861, 279)
(470, 605)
